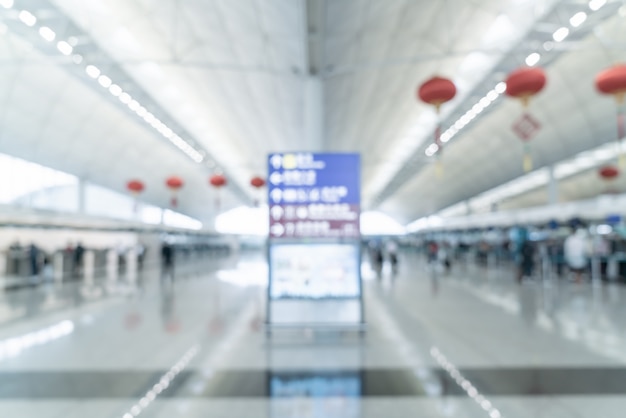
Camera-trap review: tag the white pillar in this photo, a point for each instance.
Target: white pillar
(88, 266)
(112, 265)
(58, 266)
(131, 265)
(314, 113)
(553, 187)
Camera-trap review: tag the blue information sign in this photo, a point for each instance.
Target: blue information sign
(314, 195)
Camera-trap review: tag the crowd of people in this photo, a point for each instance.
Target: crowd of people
(566, 256)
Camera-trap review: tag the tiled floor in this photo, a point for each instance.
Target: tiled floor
(471, 344)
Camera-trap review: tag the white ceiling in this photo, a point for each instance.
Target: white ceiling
(229, 76)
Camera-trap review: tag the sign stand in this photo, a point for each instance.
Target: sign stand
(314, 249)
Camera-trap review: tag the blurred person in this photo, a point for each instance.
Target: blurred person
(47, 270)
(392, 252)
(141, 254)
(15, 252)
(575, 251)
(33, 256)
(431, 250)
(167, 261)
(527, 252)
(77, 258)
(444, 256)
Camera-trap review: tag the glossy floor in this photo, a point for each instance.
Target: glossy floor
(469, 344)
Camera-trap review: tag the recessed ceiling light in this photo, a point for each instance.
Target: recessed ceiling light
(560, 34)
(578, 19)
(532, 59)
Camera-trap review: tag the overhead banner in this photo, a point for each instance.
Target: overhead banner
(314, 195)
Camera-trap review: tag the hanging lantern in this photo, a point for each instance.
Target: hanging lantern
(218, 181)
(135, 187)
(523, 84)
(435, 92)
(257, 182)
(608, 173)
(174, 183)
(613, 81)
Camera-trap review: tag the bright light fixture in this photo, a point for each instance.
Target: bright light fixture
(501, 87)
(532, 59)
(431, 150)
(7, 4)
(66, 49)
(92, 71)
(560, 34)
(596, 4)
(47, 33)
(125, 98)
(115, 90)
(133, 105)
(104, 81)
(27, 18)
(578, 19)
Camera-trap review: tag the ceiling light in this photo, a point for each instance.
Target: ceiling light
(92, 71)
(459, 124)
(532, 59)
(66, 49)
(596, 4)
(115, 90)
(492, 95)
(465, 119)
(141, 111)
(478, 107)
(485, 101)
(7, 4)
(431, 150)
(47, 33)
(560, 34)
(578, 19)
(133, 105)
(27, 18)
(104, 81)
(445, 137)
(500, 87)
(125, 98)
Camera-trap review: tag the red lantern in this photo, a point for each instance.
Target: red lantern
(174, 183)
(135, 186)
(257, 182)
(523, 84)
(218, 181)
(613, 81)
(437, 91)
(608, 172)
